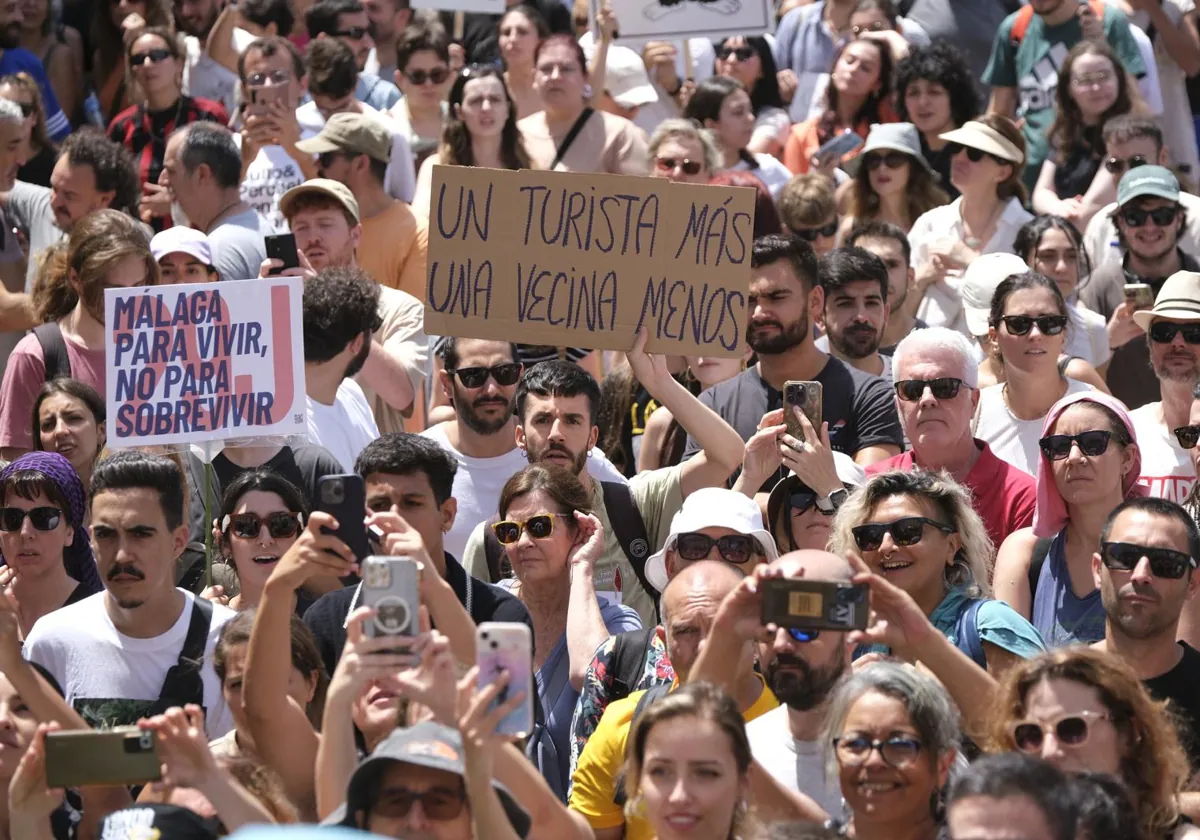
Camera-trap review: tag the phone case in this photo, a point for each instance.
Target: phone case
(125, 755)
(809, 397)
(507, 646)
(282, 247)
(840, 146)
(815, 604)
(1140, 294)
(344, 497)
(391, 586)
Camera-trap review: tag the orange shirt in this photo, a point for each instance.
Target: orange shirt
(804, 140)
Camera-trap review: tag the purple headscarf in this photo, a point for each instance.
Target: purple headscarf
(77, 557)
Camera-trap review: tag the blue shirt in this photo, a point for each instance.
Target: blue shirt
(19, 60)
(1061, 616)
(379, 93)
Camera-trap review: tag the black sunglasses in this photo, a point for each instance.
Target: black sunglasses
(280, 525)
(740, 53)
(1046, 324)
(26, 108)
(800, 501)
(354, 33)
(894, 160)
(1164, 562)
(668, 164)
(812, 234)
(1117, 166)
(155, 56)
(43, 518)
(1188, 436)
(476, 377)
(1164, 332)
(326, 159)
(1161, 216)
(974, 155)
(435, 76)
(905, 531)
(944, 388)
(734, 548)
(1092, 444)
(438, 804)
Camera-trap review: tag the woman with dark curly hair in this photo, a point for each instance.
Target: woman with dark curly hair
(936, 92)
(749, 61)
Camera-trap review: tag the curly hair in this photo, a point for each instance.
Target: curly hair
(972, 566)
(922, 193)
(869, 111)
(1067, 132)
(455, 148)
(339, 305)
(944, 64)
(1154, 766)
(112, 167)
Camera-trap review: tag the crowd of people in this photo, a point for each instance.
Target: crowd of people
(976, 229)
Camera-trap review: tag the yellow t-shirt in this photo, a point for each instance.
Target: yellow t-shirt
(595, 779)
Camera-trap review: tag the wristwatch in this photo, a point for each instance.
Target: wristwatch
(831, 503)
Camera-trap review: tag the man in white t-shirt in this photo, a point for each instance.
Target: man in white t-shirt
(112, 652)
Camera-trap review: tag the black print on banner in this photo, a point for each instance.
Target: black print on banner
(658, 11)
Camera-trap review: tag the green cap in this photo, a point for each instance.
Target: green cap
(1152, 181)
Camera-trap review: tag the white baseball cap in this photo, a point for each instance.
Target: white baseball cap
(711, 507)
(979, 284)
(182, 240)
(626, 80)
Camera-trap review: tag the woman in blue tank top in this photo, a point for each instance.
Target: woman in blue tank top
(1089, 463)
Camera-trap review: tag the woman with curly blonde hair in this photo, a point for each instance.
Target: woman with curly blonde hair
(1083, 710)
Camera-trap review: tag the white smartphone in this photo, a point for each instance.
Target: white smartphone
(507, 646)
(390, 585)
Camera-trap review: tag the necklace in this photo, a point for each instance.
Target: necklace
(973, 242)
(222, 212)
(174, 122)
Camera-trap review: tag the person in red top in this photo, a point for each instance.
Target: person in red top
(156, 61)
(936, 394)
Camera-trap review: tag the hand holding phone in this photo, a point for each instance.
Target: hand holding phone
(344, 497)
(809, 398)
(390, 585)
(806, 604)
(282, 247)
(1140, 295)
(503, 647)
(125, 755)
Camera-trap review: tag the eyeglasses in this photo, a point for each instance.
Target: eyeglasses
(668, 164)
(275, 77)
(906, 531)
(549, 68)
(42, 518)
(1070, 730)
(1164, 332)
(1092, 79)
(539, 527)
(944, 388)
(476, 377)
(1092, 444)
(280, 525)
(740, 53)
(435, 76)
(974, 155)
(1161, 216)
(153, 56)
(437, 804)
(896, 751)
(733, 548)
(812, 234)
(354, 33)
(1188, 436)
(1047, 324)
(1164, 562)
(894, 160)
(1117, 166)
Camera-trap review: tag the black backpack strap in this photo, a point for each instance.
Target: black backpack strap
(629, 528)
(648, 697)
(1037, 559)
(628, 661)
(580, 122)
(183, 684)
(54, 350)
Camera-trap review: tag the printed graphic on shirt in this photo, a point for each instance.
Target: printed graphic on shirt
(271, 174)
(131, 824)
(1039, 86)
(1174, 488)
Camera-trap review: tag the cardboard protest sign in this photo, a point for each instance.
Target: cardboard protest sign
(566, 259)
(657, 20)
(487, 7)
(204, 361)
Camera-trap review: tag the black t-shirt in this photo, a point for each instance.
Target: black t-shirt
(327, 617)
(1181, 687)
(939, 161)
(1074, 173)
(860, 408)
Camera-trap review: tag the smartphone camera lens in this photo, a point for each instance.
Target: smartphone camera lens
(495, 645)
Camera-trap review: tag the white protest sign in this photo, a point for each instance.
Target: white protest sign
(657, 20)
(487, 7)
(204, 361)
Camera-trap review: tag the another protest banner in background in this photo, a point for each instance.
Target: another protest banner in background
(575, 260)
(205, 361)
(657, 20)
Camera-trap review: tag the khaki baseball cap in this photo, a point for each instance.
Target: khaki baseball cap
(334, 189)
(357, 133)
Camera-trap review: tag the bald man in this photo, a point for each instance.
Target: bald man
(689, 604)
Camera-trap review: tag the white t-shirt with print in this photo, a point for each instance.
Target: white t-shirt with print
(1166, 468)
(272, 173)
(344, 428)
(112, 679)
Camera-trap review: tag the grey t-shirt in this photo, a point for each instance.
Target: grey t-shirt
(969, 25)
(238, 248)
(29, 209)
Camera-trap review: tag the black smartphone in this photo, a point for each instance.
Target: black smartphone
(282, 246)
(815, 604)
(344, 497)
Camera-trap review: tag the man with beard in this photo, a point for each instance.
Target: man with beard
(386, 20)
(855, 283)
(347, 21)
(857, 406)
(132, 650)
(890, 244)
(1146, 573)
(1150, 220)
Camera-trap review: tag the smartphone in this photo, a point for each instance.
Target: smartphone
(808, 397)
(261, 98)
(839, 146)
(125, 755)
(282, 246)
(814, 604)
(390, 586)
(344, 497)
(1140, 295)
(507, 646)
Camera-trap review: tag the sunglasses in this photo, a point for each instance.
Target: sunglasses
(435, 76)
(734, 548)
(1161, 216)
(280, 525)
(1047, 324)
(154, 56)
(812, 234)
(944, 388)
(1117, 166)
(906, 531)
(974, 155)
(894, 160)
(26, 108)
(799, 635)
(740, 53)
(1164, 332)
(438, 804)
(1092, 444)
(801, 500)
(1188, 436)
(354, 33)
(42, 518)
(896, 751)
(476, 377)
(1070, 730)
(1164, 562)
(539, 527)
(689, 167)
(326, 159)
